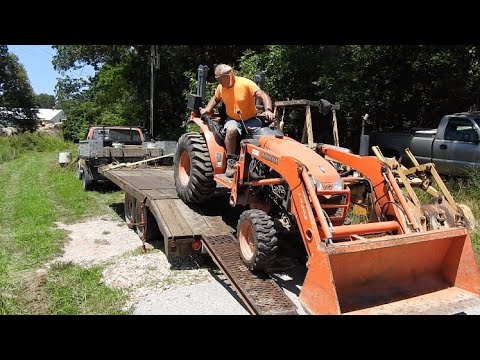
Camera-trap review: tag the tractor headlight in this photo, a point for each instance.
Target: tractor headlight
(317, 184)
(337, 184)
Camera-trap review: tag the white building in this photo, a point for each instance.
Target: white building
(52, 116)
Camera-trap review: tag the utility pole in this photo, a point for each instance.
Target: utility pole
(154, 65)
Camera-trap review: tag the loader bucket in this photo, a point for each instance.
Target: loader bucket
(434, 272)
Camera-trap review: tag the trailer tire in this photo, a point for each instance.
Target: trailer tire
(148, 231)
(257, 238)
(193, 170)
(79, 172)
(129, 207)
(87, 182)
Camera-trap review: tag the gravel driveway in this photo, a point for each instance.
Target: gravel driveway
(187, 286)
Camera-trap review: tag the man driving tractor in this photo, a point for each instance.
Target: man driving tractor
(238, 94)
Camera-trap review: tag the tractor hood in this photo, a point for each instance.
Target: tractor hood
(319, 168)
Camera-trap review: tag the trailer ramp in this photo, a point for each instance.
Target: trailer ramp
(258, 291)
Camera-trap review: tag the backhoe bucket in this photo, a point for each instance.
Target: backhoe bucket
(434, 272)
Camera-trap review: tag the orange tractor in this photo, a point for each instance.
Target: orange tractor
(403, 257)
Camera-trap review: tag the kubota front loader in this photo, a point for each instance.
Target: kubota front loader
(396, 263)
(404, 259)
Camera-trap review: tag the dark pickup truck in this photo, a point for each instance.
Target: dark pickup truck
(454, 146)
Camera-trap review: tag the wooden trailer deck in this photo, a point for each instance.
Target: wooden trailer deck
(175, 219)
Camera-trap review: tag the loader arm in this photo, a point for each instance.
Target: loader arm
(390, 201)
(310, 214)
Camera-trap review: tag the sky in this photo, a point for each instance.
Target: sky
(37, 61)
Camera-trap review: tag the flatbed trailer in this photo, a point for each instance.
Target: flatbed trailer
(154, 210)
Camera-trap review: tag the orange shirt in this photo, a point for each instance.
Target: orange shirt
(239, 97)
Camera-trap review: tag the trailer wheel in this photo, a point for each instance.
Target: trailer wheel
(193, 170)
(129, 207)
(257, 238)
(87, 182)
(147, 228)
(79, 172)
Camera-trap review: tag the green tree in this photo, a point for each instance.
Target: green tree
(16, 93)
(401, 86)
(44, 101)
(120, 88)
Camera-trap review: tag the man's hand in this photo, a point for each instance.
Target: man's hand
(268, 114)
(203, 111)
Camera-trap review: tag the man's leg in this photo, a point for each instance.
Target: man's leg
(231, 139)
(233, 131)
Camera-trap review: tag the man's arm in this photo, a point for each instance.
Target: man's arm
(267, 103)
(211, 104)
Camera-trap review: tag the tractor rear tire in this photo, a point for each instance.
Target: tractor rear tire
(257, 238)
(193, 169)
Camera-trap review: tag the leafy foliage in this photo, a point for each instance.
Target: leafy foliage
(44, 101)
(401, 86)
(120, 90)
(16, 93)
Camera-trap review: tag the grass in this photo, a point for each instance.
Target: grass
(464, 191)
(12, 147)
(36, 192)
(87, 297)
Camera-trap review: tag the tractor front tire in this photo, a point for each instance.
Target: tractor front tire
(193, 170)
(257, 238)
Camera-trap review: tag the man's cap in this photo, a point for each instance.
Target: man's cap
(222, 69)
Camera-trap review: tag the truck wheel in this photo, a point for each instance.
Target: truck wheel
(87, 183)
(257, 238)
(193, 170)
(129, 207)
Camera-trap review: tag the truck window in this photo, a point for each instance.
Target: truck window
(129, 136)
(460, 129)
(125, 135)
(100, 134)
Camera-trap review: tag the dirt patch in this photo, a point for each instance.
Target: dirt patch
(97, 241)
(112, 244)
(34, 294)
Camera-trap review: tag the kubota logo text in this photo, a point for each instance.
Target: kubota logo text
(302, 205)
(270, 158)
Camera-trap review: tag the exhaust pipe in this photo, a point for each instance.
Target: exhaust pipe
(195, 101)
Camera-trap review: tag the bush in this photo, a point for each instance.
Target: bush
(13, 146)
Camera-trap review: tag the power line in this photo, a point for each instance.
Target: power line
(36, 53)
(32, 52)
(45, 51)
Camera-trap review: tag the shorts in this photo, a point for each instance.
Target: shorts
(252, 124)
